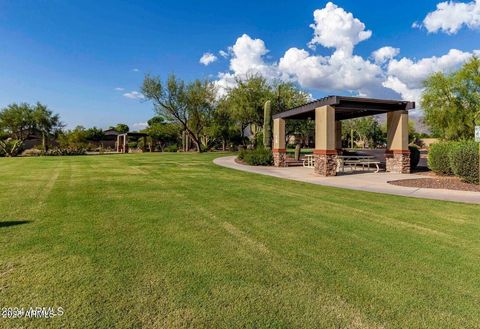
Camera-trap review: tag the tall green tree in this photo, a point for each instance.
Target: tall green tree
(201, 105)
(451, 102)
(246, 101)
(223, 128)
(162, 132)
(189, 105)
(287, 95)
(94, 134)
(121, 128)
(75, 139)
(46, 122)
(19, 121)
(366, 131)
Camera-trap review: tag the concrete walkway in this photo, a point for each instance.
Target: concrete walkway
(364, 181)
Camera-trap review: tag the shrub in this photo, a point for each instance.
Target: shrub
(171, 148)
(65, 152)
(10, 147)
(438, 158)
(414, 156)
(241, 154)
(32, 153)
(464, 157)
(257, 157)
(259, 140)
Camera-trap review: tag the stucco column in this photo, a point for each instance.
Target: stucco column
(325, 141)
(338, 137)
(279, 150)
(397, 155)
(125, 145)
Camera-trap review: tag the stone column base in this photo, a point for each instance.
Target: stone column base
(325, 163)
(398, 162)
(279, 157)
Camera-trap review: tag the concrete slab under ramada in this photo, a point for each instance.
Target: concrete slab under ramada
(370, 182)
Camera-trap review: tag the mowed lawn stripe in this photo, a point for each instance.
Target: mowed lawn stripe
(172, 240)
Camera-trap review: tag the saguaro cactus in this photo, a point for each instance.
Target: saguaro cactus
(267, 125)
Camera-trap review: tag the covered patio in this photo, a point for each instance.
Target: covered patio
(328, 113)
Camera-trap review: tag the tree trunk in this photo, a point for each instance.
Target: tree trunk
(242, 133)
(197, 146)
(44, 142)
(195, 139)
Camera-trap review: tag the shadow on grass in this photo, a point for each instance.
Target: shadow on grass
(9, 223)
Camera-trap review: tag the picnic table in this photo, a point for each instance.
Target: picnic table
(309, 161)
(357, 160)
(351, 160)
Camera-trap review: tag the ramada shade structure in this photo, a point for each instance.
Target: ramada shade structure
(122, 141)
(328, 113)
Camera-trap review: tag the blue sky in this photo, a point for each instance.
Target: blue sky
(71, 55)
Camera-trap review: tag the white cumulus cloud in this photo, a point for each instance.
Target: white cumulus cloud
(208, 58)
(385, 54)
(406, 76)
(224, 53)
(335, 28)
(119, 89)
(331, 73)
(341, 71)
(140, 125)
(134, 95)
(450, 17)
(247, 59)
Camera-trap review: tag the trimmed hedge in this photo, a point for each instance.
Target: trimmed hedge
(257, 157)
(65, 152)
(456, 158)
(171, 148)
(464, 161)
(438, 159)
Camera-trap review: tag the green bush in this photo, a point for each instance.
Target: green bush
(33, 152)
(10, 147)
(464, 157)
(259, 140)
(65, 152)
(439, 159)
(241, 154)
(170, 148)
(414, 156)
(257, 157)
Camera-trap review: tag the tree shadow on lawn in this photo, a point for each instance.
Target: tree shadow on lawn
(9, 223)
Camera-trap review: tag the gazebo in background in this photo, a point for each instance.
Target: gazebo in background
(329, 112)
(122, 141)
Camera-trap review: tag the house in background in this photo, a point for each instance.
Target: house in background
(110, 139)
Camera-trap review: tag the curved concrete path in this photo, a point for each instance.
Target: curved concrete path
(364, 182)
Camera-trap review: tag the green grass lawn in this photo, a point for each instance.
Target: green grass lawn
(172, 240)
